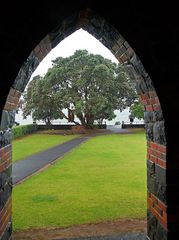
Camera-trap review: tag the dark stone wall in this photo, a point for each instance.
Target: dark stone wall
(151, 29)
(133, 126)
(64, 127)
(155, 229)
(8, 232)
(5, 186)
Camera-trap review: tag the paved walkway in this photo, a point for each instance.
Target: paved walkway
(117, 129)
(24, 168)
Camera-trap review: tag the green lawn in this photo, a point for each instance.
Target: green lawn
(28, 145)
(103, 179)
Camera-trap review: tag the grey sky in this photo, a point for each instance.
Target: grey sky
(78, 40)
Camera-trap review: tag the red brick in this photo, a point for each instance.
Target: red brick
(150, 202)
(152, 101)
(162, 206)
(149, 108)
(154, 198)
(157, 154)
(6, 207)
(158, 209)
(12, 99)
(156, 107)
(150, 151)
(153, 159)
(6, 153)
(158, 147)
(144, 102)
(153, 145)
(17, 94)
(161, 163)
(161, 148)
(5, 165)
(162, 219)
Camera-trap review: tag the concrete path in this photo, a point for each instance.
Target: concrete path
(24, 168)
(112, 130)
(118, 129)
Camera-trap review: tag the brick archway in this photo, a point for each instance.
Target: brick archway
(155, 130)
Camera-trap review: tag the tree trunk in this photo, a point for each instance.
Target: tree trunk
(82, 119)
(48, 122)
(71, 119)
(89, 122)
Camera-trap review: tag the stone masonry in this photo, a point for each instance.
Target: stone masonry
(155, 125)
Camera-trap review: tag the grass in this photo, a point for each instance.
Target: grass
(31, 144)
(103, 179)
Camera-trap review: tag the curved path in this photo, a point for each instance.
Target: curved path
(24, 168)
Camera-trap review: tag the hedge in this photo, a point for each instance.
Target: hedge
(20, 131)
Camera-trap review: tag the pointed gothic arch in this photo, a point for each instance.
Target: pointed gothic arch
(154, 120)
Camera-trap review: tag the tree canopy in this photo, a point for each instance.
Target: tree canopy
(89, 86)
(136, 110)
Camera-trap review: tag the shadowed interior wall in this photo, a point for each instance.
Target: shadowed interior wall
(28, 33)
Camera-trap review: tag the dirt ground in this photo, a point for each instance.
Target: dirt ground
(85, 230)
(71, 132)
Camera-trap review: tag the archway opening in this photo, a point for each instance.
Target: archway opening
(148, 96)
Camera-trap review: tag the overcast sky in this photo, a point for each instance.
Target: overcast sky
(78, 40)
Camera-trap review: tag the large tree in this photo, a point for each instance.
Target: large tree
(89, 86)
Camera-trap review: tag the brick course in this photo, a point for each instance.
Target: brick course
(5, 216)
(158, 209)
(5, 157)
(156, 153)
(12, 99)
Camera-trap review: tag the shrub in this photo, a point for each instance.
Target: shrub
(20, 131)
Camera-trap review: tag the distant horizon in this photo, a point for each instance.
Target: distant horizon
(80, 39)
(121, 116)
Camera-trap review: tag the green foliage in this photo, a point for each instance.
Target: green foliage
(98, 181)
(136, 110)
(40, 102)
(20, 131)
(89, 85)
